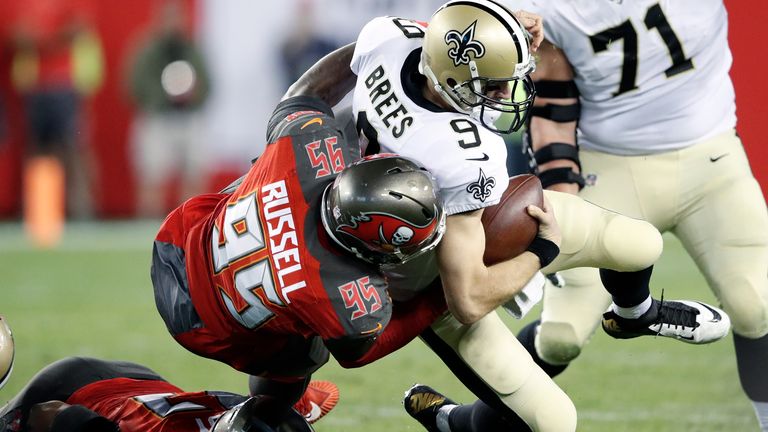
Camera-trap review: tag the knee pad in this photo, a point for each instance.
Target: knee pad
(596, 237)
(748, 310)
(751, 323)
(630, 244)
(557, 343)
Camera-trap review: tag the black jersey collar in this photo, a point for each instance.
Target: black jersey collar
(414, 82)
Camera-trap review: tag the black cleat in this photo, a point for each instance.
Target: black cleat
(423, 403)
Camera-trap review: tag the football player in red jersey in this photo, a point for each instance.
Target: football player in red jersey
(86, 394)
(261, 276)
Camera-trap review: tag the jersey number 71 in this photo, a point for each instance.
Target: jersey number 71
(654, 18)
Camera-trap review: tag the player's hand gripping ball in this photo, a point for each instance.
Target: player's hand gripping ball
(509, 229)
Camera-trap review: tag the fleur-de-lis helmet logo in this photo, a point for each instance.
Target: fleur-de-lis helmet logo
(464, 44)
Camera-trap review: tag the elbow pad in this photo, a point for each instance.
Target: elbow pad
(557, 90)
(555, 150)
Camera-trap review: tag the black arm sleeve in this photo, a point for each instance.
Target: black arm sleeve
(290, 107)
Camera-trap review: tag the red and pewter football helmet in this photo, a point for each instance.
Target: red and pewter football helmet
(7, 352)
(385, 209)
(250, 415)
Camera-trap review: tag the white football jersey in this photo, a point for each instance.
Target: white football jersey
(653, 74)
(468, 160)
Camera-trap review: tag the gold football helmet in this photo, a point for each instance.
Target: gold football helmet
(476, 56)
(7, 351)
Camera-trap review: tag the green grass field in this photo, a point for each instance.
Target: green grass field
(92, 296)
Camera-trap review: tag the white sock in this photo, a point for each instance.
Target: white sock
(442, 418)
(633, 312)
(761, 410)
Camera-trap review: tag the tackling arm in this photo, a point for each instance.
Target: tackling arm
(552, 128)
(330, 79)
(472, 289)
(409, 319)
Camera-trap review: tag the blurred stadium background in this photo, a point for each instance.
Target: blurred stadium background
(85, 290)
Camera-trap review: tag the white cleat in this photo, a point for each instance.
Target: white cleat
(689, 321)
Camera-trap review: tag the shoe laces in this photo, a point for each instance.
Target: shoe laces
(676, 314)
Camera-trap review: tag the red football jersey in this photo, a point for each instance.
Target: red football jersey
(154, 406)
(256, 263)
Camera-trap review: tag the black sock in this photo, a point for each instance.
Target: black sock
(480, 417)
(751, 359)
(527, 337)
(628, 289)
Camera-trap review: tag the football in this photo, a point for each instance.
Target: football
(509, 229)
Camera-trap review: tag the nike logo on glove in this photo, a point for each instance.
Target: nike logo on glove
(481, 159)
(717, 158)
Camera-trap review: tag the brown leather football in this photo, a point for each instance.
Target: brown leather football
(509, 229)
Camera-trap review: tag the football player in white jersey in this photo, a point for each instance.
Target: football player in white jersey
(647, 83)
(443, 105)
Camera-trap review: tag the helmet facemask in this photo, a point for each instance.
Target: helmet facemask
(501, 105)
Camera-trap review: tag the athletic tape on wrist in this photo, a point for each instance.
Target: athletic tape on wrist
(544, 249)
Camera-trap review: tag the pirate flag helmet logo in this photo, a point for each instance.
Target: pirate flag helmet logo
(385, 209)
